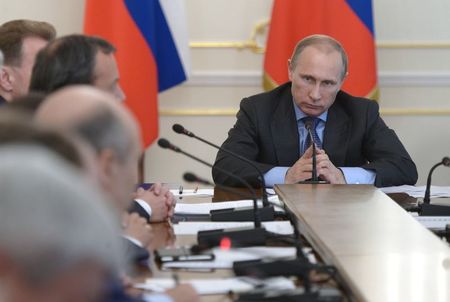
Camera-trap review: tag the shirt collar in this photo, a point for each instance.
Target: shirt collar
(299, 114)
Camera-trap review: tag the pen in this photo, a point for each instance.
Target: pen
(196, 189)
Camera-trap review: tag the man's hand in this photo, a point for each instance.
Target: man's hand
(160, 199)
(137, 228)
(301, 170)
(327, 170)
(183, 293)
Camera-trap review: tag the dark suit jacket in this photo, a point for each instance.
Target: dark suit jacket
(355, 136)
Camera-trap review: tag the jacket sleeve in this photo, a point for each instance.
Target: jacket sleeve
(243, 140)
(386, 154)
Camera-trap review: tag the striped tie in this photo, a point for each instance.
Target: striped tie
(313, 121)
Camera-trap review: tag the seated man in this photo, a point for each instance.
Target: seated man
(80, 59)
(58, 238)
(110, 129)
(354, 145)
(20, 41)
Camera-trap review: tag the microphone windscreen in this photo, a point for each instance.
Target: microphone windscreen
(178, 128)
(446, 161)
(189, 177)
(163, 143)
(309, 125)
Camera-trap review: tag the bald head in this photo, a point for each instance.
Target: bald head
(93, 114)
(106, 125)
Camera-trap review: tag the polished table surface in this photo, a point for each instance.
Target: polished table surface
(381, 252)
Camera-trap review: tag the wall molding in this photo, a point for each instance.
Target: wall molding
(208, 112)
(254, 78)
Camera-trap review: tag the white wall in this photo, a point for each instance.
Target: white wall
(411, 77)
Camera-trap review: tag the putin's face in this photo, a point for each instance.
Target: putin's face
(316, 78)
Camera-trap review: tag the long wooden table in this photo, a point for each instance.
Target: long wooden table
(380, 251)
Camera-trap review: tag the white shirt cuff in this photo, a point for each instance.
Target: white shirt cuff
(134, 241)
(360, 176)
(145, 206)
(275, 176)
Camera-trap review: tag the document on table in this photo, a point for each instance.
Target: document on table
(206, 207)
(193, 227)
(417, 192)
(217, 286)
(223, 259)
(193, 192)
(433, 222)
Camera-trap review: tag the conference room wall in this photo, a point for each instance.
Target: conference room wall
(414, 75)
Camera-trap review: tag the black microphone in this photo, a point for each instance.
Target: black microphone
(241, 237)
(309, 125)
(181, 130)
(232, 214)
(427, 209)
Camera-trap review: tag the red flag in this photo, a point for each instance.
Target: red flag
(348, 21)
(149, 57)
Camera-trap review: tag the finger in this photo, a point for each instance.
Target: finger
(164, 190)
(308, 153)
(320, 151)
(305, 167)
(156, 188)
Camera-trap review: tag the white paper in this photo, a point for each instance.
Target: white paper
(206, 207)
(218, 286)
(192, 192)
(270, 191)
(193, 227)
(433, 222)
(418, 192)
(224, 258)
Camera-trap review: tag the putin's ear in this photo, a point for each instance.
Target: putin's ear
(6, 79)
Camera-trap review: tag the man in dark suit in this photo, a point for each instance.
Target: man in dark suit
(353, 143)
(79, 59)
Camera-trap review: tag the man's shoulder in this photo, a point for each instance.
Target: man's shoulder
(352, 103)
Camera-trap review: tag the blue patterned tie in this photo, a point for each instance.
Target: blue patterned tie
(313, 121)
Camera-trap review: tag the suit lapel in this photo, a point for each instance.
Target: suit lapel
(284, 131)
(336, 134)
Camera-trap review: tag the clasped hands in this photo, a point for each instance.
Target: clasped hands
(302, 169)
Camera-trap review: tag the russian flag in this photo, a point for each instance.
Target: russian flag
(348, 21)
(152, 50)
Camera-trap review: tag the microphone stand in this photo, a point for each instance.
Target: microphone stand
(181, 130)
(232, 214)
(314, 179)
(239, 237)
(428, 209)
